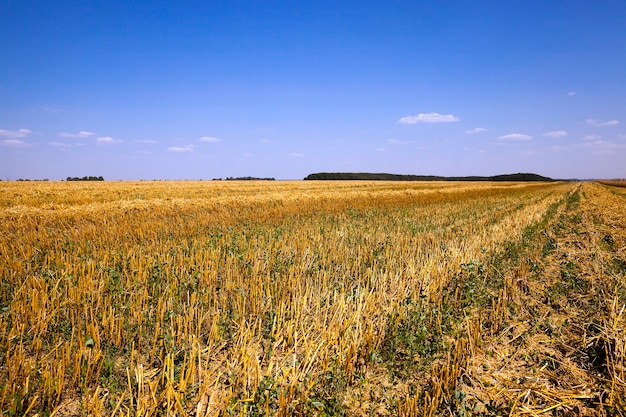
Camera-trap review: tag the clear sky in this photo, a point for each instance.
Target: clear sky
(207, 89)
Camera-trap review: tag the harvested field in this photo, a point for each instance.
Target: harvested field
(312, 298)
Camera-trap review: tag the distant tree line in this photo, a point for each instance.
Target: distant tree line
(85, 178)
(245, 179)
(26, 179)
(395, 177)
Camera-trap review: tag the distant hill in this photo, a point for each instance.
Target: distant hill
(396, 177)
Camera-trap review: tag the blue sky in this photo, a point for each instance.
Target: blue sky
(209, 89)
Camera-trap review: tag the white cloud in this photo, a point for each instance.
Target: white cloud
(296, 155)
(595, 143)
(265, 141)
(107, 140)
(559, 148)
(572, 93)
(475, 130)
(593, 122)
(515, 136)
(428, 118)
(81, 134)
(146, 141)
(381, 149)
(14, 143)
(592, 137)
(188, 148)
(555, 134)
(59, 144)
(21, 133)
(209, 139)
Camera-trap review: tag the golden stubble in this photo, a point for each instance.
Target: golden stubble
(199, 298)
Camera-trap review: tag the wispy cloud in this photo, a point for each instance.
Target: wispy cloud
(475, 130)
(180, 149)
(593, 122)
(516, 136)
(108, 140)
(428, 118)
(21, 133)
(555, 134)
(594, 144)
(81, 134)
(381, 149)
(296, 155)
(146, 141)
(560, 148)
(14, 143)
(59, 144)
(572, 93)
(265, 141)
(603, 146)
(209, 139)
